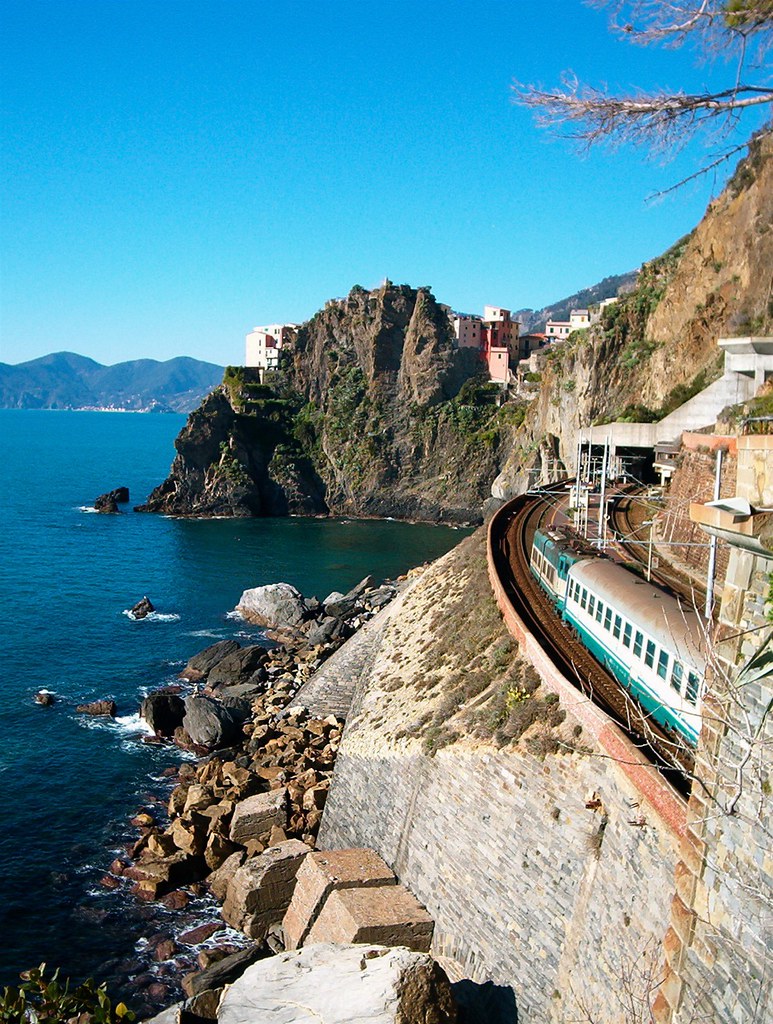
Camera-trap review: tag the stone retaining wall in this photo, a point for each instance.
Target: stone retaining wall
(552, 876)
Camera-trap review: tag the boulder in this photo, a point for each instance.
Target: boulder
(142, 608)
(255, 817)
(120, 496)
(201, 664)
(260, 891)
(106, 503)
(164, 712)
(321, 873)
(209, 723)
(387, 914)
(45, 698)
(224, 972)
(328, 984)
(98, 708)
(276, 605)
(325, 632)
(220, 877)
(238, 667)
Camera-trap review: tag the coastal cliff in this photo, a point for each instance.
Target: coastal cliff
(656, 346)
(373, 412)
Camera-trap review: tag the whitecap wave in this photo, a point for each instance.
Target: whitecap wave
(152, 616)
(206, 633)
(235, 615)
(86, 508)
(133, 724)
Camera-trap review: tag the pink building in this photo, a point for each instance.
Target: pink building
(494, 335)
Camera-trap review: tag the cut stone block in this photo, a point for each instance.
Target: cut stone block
(320, 874)
(256, 816)
(389, 915)
(260, 891)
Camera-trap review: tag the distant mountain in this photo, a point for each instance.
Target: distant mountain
(64, 380)
(610, 287)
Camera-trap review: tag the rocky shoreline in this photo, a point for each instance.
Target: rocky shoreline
(260, 782)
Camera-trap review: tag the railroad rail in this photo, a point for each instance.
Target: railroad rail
(511, 538)
(628, 529)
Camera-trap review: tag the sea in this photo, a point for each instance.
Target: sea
(69, 783)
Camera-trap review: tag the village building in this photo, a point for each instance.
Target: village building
(263, 345)
(559, 330)
(494, 336)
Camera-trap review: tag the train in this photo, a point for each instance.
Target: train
(645, 637)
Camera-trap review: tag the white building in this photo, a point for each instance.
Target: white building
(561, 329)
(263, 344)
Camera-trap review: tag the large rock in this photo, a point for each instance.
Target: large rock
(164, 712)
(238, 667)
(390, 915)
(329, 984)
(98, 708)
(260, 891)
(201, 664)
(224, 971)
(321, 873)
(255, 817)
(276, 605)
(109, 502)
(209, 723)
(142, 608)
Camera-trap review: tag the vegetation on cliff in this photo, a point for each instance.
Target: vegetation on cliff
(373, 411)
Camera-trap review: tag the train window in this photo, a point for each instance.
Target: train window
(649, 655)
(693, 683)
(583, 597)
(618, 627)
(676, 676)
(627, 635)
(599, 611)
(591, 604)
(607, 619)
(663, 664)
(638, 641)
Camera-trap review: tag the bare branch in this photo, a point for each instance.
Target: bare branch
(662, 120)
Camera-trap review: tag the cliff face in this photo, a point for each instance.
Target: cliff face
(373, 412)
(656, 346)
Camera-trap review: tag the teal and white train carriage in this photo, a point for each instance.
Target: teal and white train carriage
(646, 639)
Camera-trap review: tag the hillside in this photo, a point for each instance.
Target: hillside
(535, 319)
(65, 380)
(656, 346)
(373, 413)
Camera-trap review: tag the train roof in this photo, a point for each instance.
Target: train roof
(651, 609)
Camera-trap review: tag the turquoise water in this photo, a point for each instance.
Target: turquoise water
(69, 784)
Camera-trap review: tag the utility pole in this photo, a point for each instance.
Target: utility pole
(603, 496)
(713, 546)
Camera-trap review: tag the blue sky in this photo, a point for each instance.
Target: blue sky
(177, 171)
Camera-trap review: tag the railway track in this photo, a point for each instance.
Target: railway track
(511, 545)
(629, 529)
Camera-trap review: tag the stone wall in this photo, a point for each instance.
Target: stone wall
(718, 945)
(694, 481)
(551, 873)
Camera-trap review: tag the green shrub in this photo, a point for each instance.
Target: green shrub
(38, 1000)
